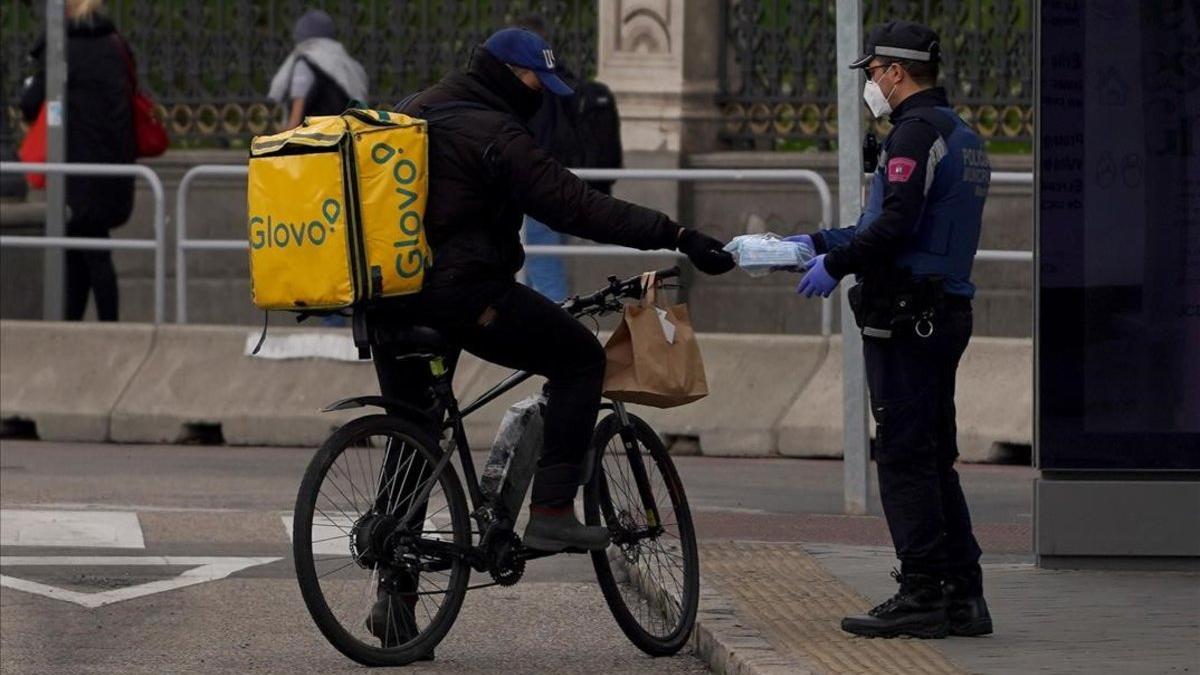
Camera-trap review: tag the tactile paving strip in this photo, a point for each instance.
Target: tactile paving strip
(798, 605)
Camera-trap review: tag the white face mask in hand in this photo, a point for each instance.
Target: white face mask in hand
(876, 100)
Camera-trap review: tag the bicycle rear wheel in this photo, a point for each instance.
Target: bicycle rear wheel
(350, 539)
(650, 575)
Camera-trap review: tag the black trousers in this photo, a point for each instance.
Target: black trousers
(513, 326)
(91, 272)
(911, 380)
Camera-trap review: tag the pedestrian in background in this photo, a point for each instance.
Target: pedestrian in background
(912, 249)
(582, 130)
(319, 77)
(99, 92)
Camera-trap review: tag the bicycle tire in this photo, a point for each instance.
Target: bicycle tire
(596, 492)
(305, 561)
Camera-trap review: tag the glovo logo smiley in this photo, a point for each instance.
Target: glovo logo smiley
(410, 259)
(270, 233)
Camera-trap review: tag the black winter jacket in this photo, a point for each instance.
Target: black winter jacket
(486, 171)
(99, 122)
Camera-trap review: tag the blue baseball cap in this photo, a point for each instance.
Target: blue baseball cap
(527, 49)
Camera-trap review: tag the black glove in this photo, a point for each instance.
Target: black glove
(706, 253)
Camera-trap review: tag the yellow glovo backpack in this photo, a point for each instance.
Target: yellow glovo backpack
(336, 208)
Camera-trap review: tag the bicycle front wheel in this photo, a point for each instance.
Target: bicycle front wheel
(378, 570)
(650, 574)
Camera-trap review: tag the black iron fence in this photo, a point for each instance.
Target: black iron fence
(208, 63)
(779, 83)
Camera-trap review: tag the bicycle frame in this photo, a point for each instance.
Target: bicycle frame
(458, 441)
(444, 391)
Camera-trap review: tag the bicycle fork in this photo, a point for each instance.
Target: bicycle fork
(637, 466)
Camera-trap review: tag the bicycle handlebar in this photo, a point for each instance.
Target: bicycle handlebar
(616, 290)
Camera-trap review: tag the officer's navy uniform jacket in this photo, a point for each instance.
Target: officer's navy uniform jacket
(926, 200)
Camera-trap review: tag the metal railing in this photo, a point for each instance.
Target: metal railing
(158, 244)
(1008, 178)
(992, 255)
(183, 244)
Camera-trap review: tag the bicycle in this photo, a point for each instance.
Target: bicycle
(412, 535)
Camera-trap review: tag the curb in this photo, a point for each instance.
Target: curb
(730, 647)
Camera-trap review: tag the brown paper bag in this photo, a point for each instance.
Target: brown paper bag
(644, 366)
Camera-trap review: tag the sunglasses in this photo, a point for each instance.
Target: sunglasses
(868, 70)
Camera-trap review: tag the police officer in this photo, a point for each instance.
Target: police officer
(912, 251)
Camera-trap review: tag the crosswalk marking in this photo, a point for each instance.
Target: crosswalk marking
(70, 529)
(202, 569)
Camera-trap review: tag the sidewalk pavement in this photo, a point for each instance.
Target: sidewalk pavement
(790, 598)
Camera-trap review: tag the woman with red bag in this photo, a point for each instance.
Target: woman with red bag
(100, 129)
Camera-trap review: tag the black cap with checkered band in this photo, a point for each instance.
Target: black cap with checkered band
(900, 41)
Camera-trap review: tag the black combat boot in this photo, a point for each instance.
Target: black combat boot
(918, 610)
(965, 606)
(393, 617)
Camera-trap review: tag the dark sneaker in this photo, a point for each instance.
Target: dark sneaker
(918, 610)
(969, 617)
(559, 530)
(393, 617)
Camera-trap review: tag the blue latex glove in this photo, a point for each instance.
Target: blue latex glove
(817, 281)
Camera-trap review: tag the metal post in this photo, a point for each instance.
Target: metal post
(56, 151)
(855, 441)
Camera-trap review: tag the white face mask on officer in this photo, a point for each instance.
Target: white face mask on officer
(876, 100)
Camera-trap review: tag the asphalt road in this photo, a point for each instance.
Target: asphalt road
(191, 506)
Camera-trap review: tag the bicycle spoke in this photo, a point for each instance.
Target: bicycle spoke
(382, 474)
(651, 573)
(339, 569)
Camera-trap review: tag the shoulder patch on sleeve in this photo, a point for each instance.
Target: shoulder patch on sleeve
(900, 169)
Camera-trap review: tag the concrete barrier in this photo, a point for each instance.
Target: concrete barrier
(770, 394)
(752, 381)
(994, 397)
(199, 375)
(812, 425)
(67, 377)
(994, 400)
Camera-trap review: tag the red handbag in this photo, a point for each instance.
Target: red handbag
(151, 135)
(33, 149)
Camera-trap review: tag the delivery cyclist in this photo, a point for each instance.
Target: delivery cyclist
(912, 250)
(487, 171)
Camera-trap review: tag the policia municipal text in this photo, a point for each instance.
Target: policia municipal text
(912, 251)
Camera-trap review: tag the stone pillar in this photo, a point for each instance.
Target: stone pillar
(660, 59)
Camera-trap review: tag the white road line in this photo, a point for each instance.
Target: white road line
(334, 538)
(71, 529)
(329, 538)
(202, 569)
(87, 506)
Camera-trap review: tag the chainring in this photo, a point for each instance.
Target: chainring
(506, 566)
